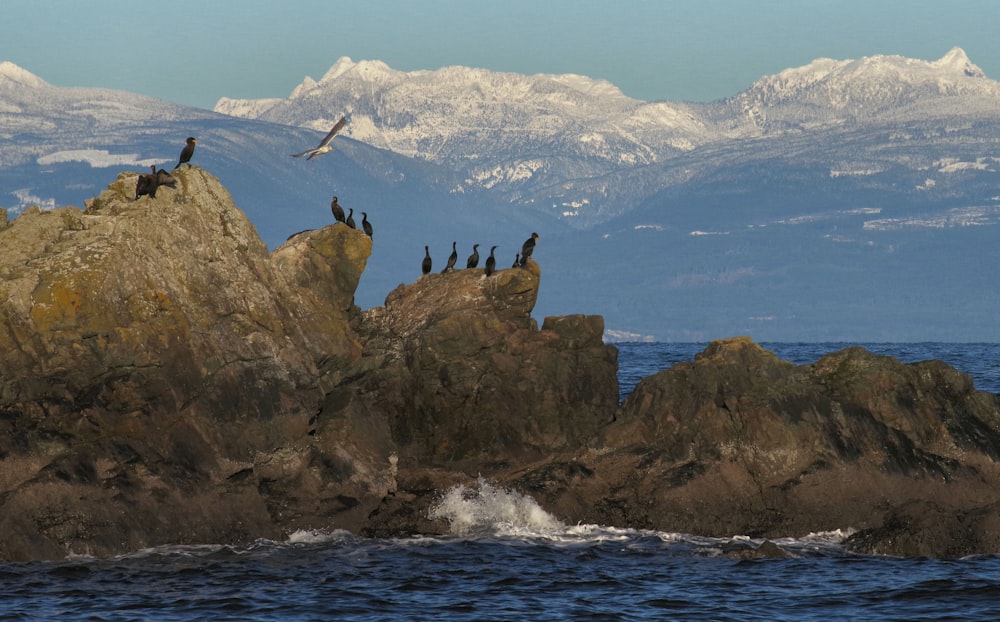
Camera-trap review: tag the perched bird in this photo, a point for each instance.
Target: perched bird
(367, 226)
(324, 145)
(426, 266)
(187, 152)
(452, 258)
(473, 259)
(147, 184)
(338, 211)
(517, 260)
(491, 262)
(350, 219)
(527, 248)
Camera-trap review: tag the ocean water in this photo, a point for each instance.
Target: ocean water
(508, 559)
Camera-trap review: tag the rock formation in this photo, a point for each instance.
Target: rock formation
(166, 380)
(159, 372)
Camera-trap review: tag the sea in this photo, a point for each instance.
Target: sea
(508, 559)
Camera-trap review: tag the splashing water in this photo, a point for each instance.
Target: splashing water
(488, 509)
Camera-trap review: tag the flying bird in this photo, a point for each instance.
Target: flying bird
(324, 145)
(187, 152)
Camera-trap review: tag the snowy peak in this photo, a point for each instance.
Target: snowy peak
(956, 61)
(827, 91)
(12, 74)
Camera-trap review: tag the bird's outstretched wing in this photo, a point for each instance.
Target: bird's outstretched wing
(336, 128)
(324, 145)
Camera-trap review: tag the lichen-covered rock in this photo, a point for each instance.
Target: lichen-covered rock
(159, 376)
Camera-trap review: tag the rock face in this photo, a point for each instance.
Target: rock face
(159, 373)
(165, 380)
(740, 442)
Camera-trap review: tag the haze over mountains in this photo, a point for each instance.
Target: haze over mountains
(852, 200)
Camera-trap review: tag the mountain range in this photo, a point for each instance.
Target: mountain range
(846, 200)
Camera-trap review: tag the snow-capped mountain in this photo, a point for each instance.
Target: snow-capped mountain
(532, 139)
(843, 200)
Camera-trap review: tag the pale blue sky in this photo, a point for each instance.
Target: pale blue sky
(195, 51)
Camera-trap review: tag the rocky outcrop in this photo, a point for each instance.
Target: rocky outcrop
(741, 442)
(164, 379)
(159, 374)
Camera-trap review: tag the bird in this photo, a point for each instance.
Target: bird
(452, 258)
(186, 152)
(338, 211)
(527, 248)
(147, 184)
(163, 178)
(491, 262)
(426, 266)
(324, 145)
(367, 226)
(350, 219)
(517, 260)
(473, 259)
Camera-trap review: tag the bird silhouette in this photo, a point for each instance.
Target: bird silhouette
(491, 262)
(452, 258)
(186, 152)
(324, 145)
(473, 259)
(350, 219)
(527, 248)
(426, 265)
(367, 226)
(517, 260)
(338, 211)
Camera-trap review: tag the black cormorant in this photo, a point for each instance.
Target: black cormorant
(324, 145)
(473, 259)
(367, 226)
(491, 262)
(426, 266)
(187, 152)
(148, 184)
(338, 211)
(350, 219)
(517, 260)
(527, 248)
(452, 258)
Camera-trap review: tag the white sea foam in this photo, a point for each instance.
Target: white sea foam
(317, 536)
(488, 509)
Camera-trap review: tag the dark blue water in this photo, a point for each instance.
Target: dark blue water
(510, 560)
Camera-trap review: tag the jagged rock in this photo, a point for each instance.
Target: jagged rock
(166, 380)
(459, 368)
(159, 376)
(741, 442)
